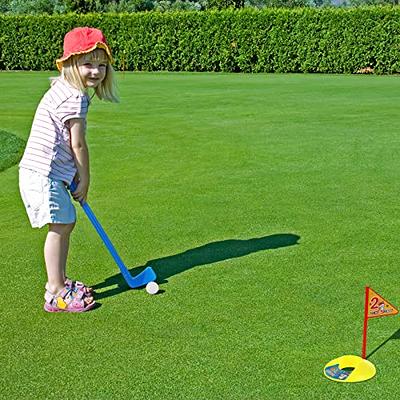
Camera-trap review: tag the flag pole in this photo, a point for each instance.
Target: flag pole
(364, 342)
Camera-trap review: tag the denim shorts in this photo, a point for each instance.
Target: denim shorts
(46, 200)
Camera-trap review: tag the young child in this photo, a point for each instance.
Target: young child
(57, 154)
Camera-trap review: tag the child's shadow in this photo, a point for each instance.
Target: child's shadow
(207, 254)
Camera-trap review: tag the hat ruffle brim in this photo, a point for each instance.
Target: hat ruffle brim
(98, 45)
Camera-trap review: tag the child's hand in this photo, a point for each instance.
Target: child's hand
(81, 192)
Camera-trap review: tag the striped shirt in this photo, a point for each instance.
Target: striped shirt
(48, 150)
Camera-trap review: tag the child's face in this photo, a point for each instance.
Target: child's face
(93, 68)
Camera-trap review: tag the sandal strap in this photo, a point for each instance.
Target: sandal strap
(78, 286)
(48, 297)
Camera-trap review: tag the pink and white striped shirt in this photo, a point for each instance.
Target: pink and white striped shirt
(48, 150)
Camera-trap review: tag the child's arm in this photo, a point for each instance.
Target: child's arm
(81, 155)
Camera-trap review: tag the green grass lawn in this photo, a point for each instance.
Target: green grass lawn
(11, 149)
(265, 203)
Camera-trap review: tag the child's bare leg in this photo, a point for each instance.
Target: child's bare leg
(56, 249)
(55, 254)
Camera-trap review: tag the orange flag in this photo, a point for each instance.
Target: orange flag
(378, 306)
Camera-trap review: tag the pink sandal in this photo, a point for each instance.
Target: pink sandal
(67, 300)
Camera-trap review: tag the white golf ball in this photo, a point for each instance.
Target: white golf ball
(152, 288)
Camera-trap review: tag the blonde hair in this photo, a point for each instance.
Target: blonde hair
(107, 90)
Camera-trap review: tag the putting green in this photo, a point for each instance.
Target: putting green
(265, 204)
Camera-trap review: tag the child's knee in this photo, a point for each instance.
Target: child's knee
(62, 229)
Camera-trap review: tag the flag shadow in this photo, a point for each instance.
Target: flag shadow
(395, 336)
(207, 254)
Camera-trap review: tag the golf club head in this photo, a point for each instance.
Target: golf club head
(142, 279)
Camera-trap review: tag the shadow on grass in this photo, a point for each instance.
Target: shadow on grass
(395, 336)
(207, 254)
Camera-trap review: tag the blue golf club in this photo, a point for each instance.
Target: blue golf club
(141, 279)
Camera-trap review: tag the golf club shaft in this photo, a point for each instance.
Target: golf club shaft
(106, 240)
(88, 211)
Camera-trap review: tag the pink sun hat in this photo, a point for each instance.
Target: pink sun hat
(81, 41)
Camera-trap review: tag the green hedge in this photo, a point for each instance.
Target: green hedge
(272, 40)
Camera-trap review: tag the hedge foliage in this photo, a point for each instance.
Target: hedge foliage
(272, 40)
